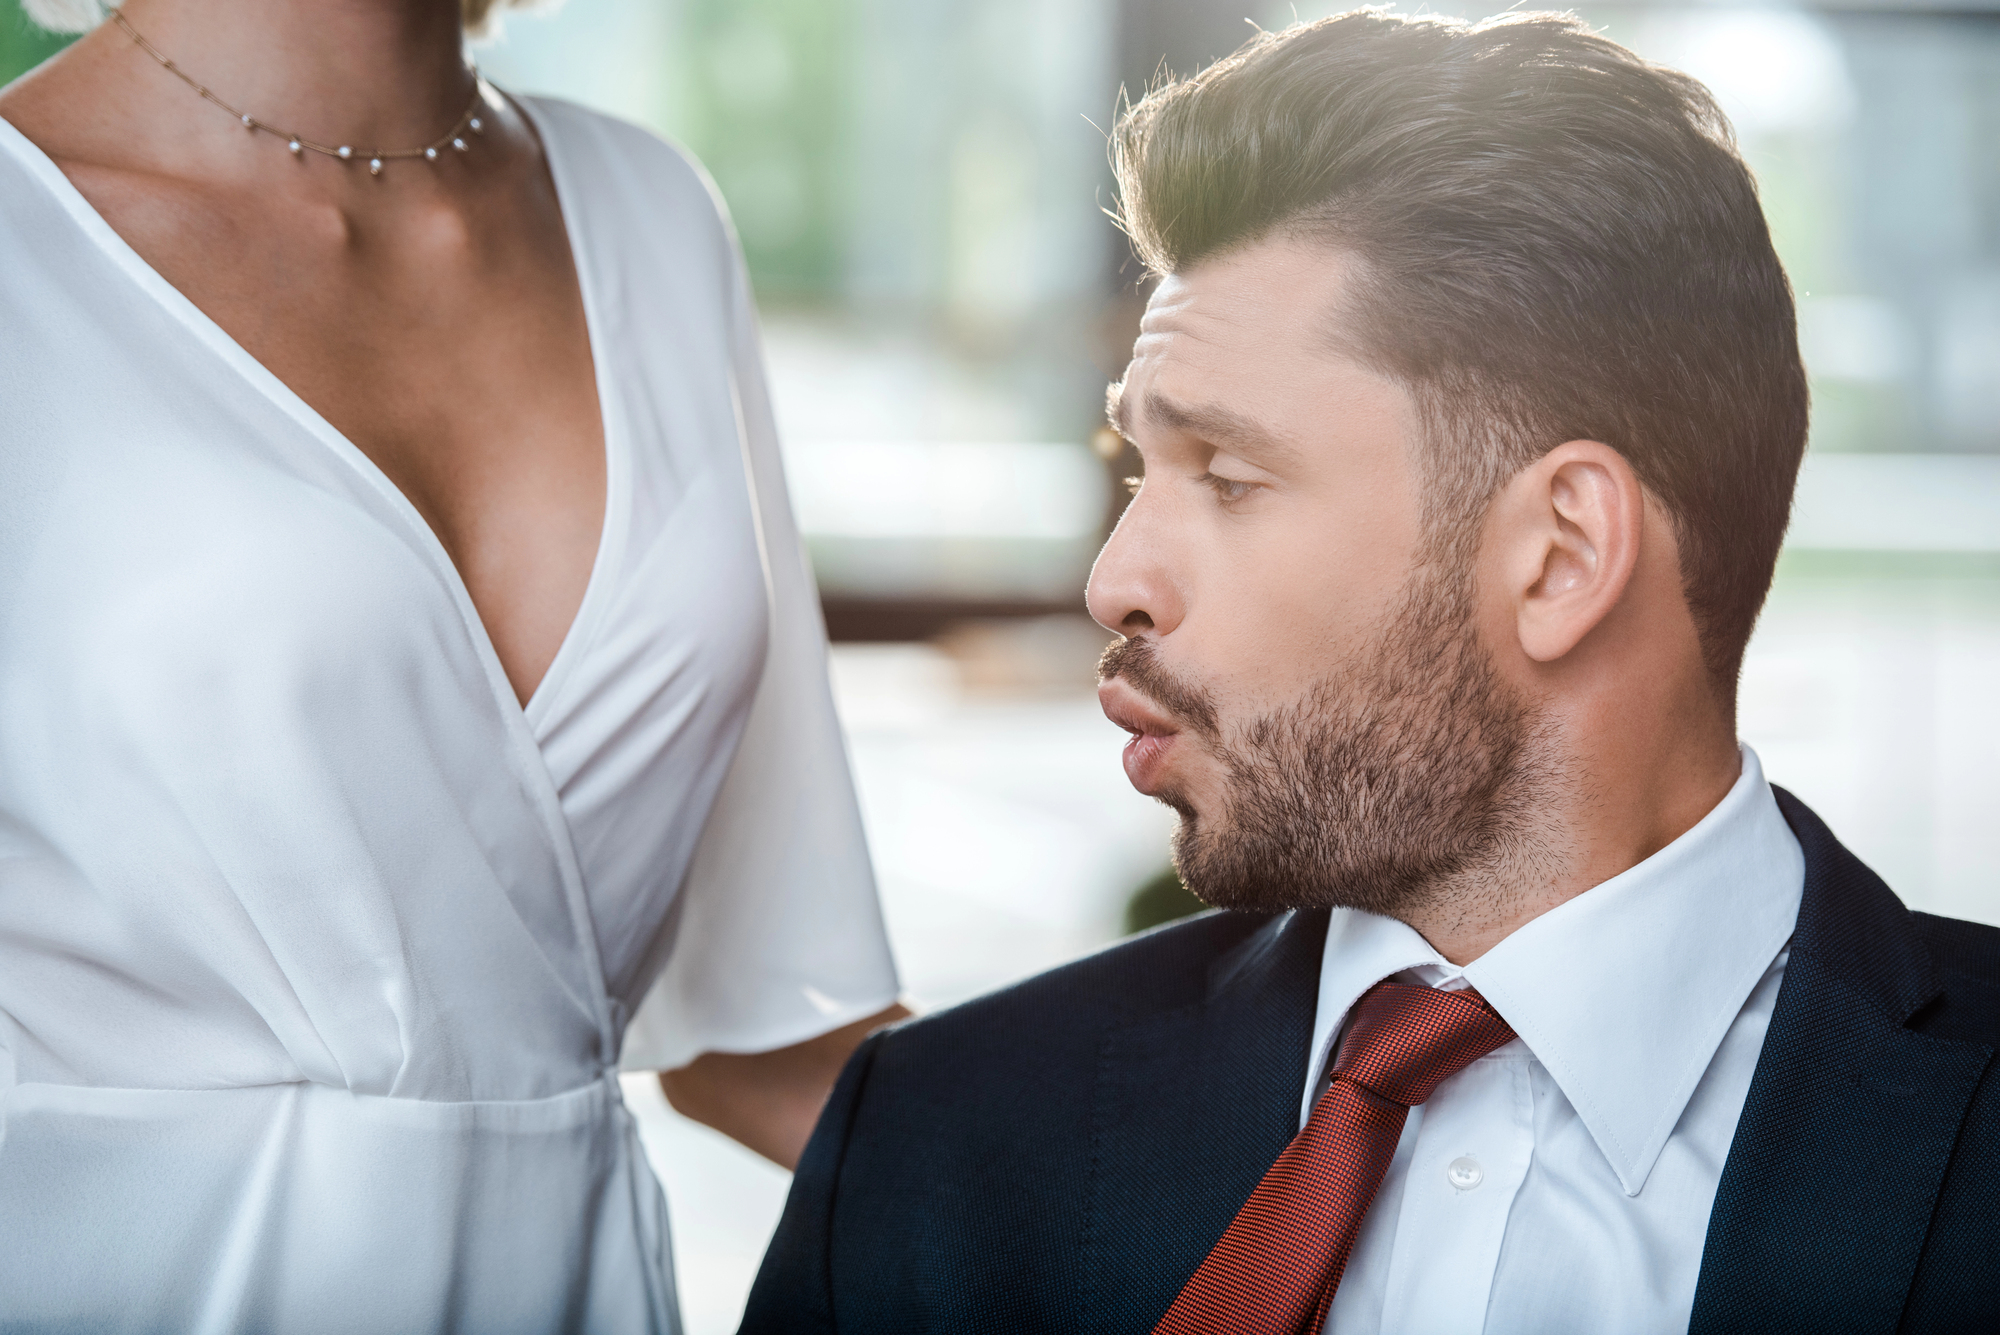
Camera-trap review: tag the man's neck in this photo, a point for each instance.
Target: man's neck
(1590, 818)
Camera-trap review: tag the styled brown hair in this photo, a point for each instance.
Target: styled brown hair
(1553, 240)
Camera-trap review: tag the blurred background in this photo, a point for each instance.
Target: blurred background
(919, 186)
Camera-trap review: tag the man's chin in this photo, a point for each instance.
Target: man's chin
(1204, 868)
(1226, 869)
(1176, 800)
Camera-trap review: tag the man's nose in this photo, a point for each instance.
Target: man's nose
(1132, 588)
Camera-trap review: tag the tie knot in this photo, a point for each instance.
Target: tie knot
(1402, 1042)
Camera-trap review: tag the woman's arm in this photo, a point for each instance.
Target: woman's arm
(769, 1100)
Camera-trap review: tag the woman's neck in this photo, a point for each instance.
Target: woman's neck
(385, 73)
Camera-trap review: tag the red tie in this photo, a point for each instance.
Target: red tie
(1276, 1268)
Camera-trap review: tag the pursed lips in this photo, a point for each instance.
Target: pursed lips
(1153, 732)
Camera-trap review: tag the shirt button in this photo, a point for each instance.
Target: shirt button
(1464, 1172)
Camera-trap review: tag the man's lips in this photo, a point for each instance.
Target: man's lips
(1153, 732)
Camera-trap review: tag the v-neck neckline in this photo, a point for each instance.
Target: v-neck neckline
(611, 531)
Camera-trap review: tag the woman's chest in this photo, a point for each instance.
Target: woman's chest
(212, 594)
(449, 342)
(212, 525)
(213, 597)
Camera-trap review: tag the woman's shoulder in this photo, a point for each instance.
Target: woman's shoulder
(615, 161)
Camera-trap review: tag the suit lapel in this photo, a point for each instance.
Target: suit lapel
(1192, 1106)
(1827, 1194)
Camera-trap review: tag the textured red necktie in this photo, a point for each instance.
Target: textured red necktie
(1275, 1270)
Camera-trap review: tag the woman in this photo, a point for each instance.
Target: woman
(408, 675)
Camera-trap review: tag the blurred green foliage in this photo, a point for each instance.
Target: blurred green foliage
(1162, 899)
(766, 107)
(23, 45)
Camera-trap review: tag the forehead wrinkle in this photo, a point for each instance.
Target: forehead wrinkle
(1219, 426)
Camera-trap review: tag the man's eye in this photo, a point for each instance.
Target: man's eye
(1227, 489)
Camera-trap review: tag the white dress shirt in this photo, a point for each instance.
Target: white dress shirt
(1564, 1181)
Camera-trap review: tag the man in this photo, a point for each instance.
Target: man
(1470, 405)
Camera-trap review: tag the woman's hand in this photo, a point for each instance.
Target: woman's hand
(769, 1100)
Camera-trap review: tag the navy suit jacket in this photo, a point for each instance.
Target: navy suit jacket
(1060, 1156)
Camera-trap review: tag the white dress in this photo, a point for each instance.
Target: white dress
(316, 949)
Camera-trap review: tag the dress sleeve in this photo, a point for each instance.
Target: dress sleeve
(779, 935)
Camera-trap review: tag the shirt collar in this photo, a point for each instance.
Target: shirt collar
(1625, 992)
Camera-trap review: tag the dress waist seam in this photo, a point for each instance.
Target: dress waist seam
(588, 1089)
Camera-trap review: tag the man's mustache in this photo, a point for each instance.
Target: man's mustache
(1135, 660)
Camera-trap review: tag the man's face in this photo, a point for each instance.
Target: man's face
(1302, 672)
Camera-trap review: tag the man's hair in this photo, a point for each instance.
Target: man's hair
(1553, 240)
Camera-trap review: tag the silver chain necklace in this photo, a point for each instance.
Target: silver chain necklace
(454, 138)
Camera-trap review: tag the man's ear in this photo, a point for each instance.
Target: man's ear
(1566, 539)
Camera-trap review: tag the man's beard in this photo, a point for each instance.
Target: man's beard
(1379, 789)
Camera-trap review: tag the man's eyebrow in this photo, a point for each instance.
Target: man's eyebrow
(1217, 425)
(1118, 409)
